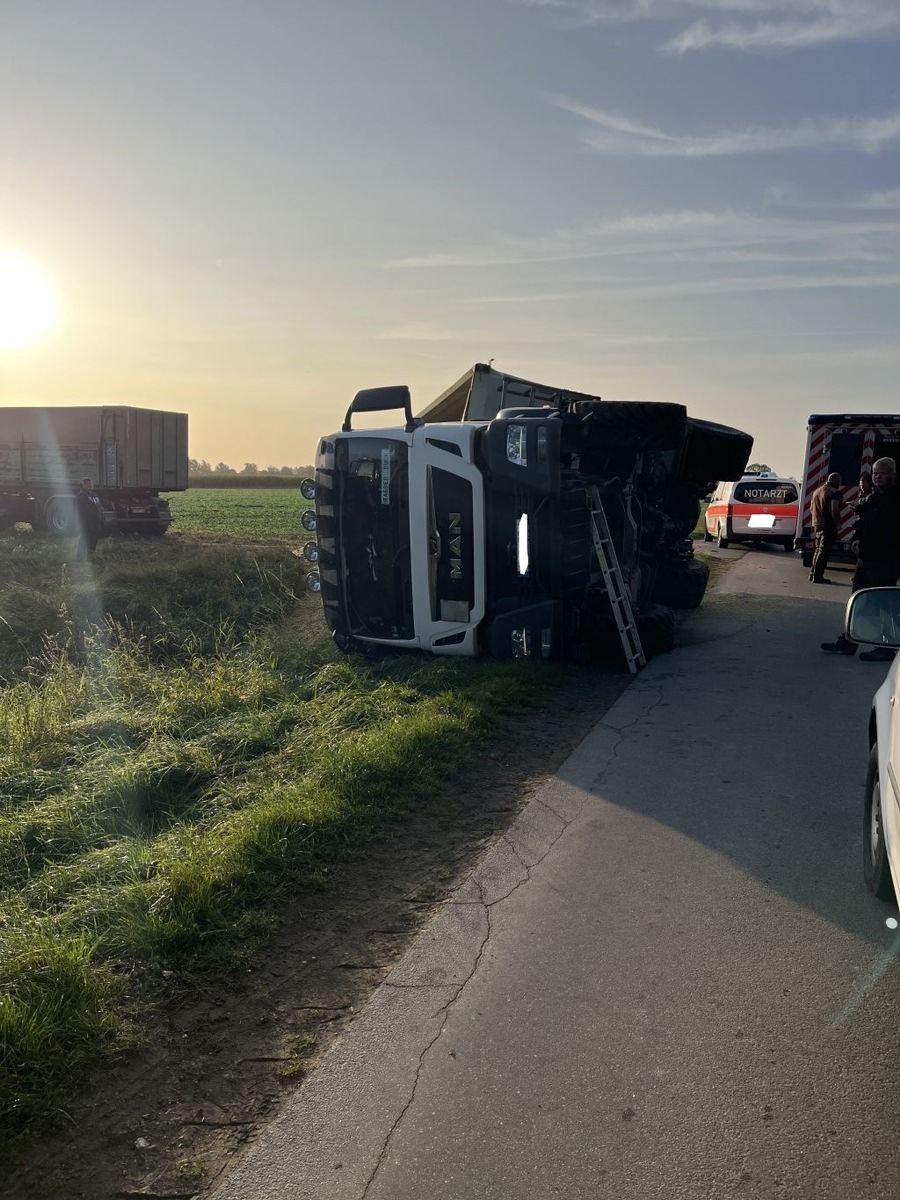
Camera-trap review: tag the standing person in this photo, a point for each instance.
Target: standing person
(825, 510)
(865, 491)
(87, 506)
(877, 548)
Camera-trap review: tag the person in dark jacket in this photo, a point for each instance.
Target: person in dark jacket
(90, 517)
(865, 491)
(825, 510)
(877, 546)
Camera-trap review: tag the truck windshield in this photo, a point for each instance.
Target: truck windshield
(373, 490)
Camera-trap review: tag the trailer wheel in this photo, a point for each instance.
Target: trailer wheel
(59, 517)
(656, 629)
(632, 424)
(681, 586)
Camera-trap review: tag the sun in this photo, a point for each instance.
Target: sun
(28, 302)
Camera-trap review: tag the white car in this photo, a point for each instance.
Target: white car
(873, 616)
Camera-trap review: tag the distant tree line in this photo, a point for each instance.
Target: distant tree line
(201, 474)
(200, 466)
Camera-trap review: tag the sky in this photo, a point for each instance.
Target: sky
(250, 209)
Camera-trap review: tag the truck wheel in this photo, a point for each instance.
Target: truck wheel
(656, 629)
(721, 539)
(788, 544)
(632, 424)
(682, 586)
(59, 517)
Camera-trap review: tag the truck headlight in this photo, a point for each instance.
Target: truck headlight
(522, 544)
(515, 445)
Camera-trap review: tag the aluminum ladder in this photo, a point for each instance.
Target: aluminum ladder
(619, 599)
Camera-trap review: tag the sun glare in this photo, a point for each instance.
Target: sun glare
(27, 302)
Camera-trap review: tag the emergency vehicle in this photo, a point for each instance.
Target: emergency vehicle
(760, 507)
(848, 444)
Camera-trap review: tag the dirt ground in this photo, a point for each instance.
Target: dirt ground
(171, 1120)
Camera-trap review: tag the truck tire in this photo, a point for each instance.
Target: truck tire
(656, 629)
(681, 586)
(713, 452)
(632, 424)
(59, 516)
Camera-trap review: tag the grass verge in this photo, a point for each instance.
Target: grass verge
(164, 787)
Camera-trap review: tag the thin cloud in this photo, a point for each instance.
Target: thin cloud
(615, 134)
(421, 331)
(845, 24)
(721, 286)
(770, 283)
(881, 201)
(749, 26)
(680, 234)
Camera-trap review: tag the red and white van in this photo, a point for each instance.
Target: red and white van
(759, 507)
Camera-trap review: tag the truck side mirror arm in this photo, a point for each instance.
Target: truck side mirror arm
(381, 400)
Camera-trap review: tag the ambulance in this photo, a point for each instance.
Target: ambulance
(760, 507)
(848, 444)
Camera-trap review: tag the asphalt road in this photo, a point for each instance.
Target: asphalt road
(667, 979)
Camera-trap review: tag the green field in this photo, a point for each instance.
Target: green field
(251, 514)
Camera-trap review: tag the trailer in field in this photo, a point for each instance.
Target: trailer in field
(132, 455)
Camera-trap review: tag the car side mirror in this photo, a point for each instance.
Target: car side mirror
(873, 616)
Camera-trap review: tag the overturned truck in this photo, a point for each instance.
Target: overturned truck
(470, 529)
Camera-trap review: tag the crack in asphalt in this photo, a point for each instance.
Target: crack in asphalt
(446, 1009)
(487, 906)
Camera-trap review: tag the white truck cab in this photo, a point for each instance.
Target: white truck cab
(408, 512)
